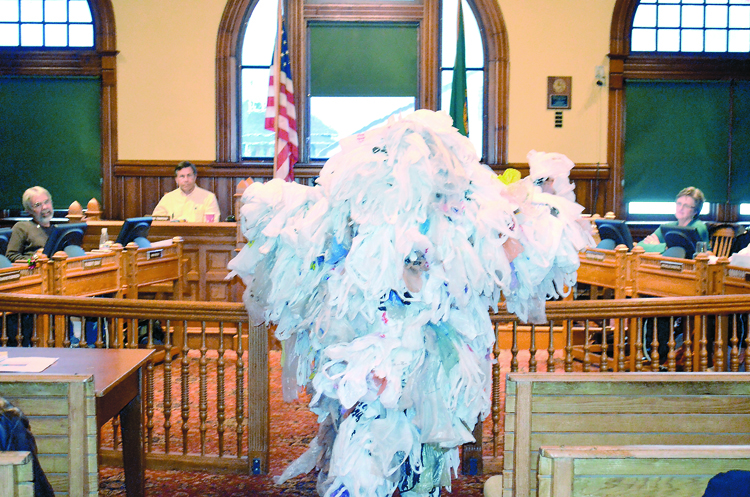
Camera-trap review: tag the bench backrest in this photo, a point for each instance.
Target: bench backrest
(62, 413)
(626, 470)
(618, 409)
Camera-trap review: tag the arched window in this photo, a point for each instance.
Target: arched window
(341, 94)
(58, 66)
(678, 111)
(691, 26)
(49, 23)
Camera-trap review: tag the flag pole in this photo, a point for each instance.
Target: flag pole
(277, 89)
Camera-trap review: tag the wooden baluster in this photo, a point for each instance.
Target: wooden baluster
(167, 389)
(532, 349)
(19, 331)
(203, 405)
(639, 345)
(671, 353)
(621, 346)
(496, 394)
(99, 332)
(82, 339)
(220, 407)
(185, 378)
(36, 336)
(586, 348)
(655, 346)
(150, 391)
(603, 356)
(568, 345)
(4, 331)
(133, 334)
(703, 345)
(734, 354)
(114, 333)
(514, 349)
(239, 372)
(688, 345)
(551, 348)
(718, 344)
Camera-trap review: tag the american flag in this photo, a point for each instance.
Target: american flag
(284, 112)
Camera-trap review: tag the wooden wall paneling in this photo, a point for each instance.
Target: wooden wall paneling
(217, 258)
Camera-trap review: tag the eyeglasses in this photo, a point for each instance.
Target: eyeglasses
(685, 204)
(40, 204)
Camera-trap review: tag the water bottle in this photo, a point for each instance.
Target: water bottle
(103, 239)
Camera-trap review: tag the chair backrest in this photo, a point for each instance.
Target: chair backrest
(721, 241)
(4, 237)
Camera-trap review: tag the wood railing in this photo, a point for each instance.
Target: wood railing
(217, 347)
(206, 346)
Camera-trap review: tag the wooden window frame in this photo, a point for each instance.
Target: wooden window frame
(667, 66)
(99, 61)
(427, 13)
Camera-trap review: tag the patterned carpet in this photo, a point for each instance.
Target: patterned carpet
(292, 428)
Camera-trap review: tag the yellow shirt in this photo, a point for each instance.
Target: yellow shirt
(192, 207)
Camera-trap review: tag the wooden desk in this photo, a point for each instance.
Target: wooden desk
(117, 385)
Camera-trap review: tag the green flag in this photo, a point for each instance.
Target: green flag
(459, 110)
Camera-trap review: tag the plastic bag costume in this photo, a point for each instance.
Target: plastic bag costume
(380, 278)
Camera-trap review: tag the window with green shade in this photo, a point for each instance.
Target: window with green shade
(686, 133)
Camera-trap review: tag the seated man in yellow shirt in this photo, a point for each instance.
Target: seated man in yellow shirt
(188, 202)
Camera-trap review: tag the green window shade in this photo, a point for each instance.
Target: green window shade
(360, 60)
(50, 136)
(740, 174)
(676, 135)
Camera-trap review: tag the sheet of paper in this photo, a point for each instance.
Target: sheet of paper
(25, 364)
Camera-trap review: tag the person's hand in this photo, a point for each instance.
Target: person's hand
(651, 239)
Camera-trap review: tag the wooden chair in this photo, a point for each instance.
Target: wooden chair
(721, 241)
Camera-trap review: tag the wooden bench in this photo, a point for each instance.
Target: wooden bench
(62, 414)
(659, 276)
(88, 275)
(601, 268)
(158, 268)
(20, 278)
(625, 471)
(574, 409)
(16, 474)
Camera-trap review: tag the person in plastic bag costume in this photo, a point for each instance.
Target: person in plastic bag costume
(380, 279)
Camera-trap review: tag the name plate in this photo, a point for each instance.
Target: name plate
(92, 263)
(670, 266)
(154, 254)
(595, 256)
(10, 276)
